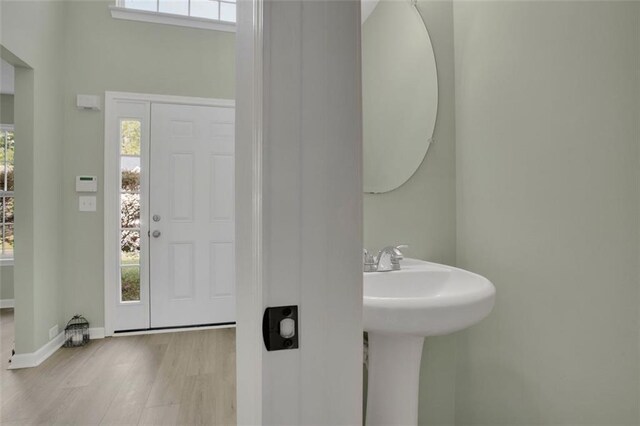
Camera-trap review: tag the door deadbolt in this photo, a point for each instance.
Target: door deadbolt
(156, 233)
(156, 218)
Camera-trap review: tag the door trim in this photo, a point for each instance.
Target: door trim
(250, 297)
(110, 186)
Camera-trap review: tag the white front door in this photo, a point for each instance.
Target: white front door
(191, 209)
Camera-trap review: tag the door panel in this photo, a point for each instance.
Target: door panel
(192, 273)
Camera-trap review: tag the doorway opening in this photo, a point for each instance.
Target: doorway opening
(169, 212)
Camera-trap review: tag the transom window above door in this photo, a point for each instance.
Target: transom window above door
(205, 14)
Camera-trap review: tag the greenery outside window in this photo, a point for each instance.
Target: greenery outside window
(130, 174)
(7, 151)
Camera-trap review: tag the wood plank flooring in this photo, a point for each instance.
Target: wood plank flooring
(185, 378)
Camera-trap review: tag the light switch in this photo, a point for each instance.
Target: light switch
(87, 203)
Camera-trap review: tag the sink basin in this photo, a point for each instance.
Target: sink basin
(403, 307)
(425, 299)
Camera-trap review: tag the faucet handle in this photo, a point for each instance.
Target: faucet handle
(398, 252)
(369, 261)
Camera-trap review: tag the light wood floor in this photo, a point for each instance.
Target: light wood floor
(157, 379)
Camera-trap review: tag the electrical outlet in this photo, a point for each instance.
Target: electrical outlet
(53, 332)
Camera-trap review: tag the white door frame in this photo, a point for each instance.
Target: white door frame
(299, 222)
(249, 228)
(112, 190)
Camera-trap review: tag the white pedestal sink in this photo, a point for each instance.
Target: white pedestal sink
(403, 307)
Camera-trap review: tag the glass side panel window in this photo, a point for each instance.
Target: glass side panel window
(216, 10)
(7, 151)
(130, 169)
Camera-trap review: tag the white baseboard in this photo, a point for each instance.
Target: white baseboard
(7, 303)
(36, 358)
(96, 333)
(33, 359)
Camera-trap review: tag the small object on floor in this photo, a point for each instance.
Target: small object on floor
(76, 333)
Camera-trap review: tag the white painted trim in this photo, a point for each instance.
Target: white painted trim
(171, 19)
(172, 330)
(33, 359)
(6, 261)
(96, 333)
(111, 217)
(311, 208)
(169, 99)
(249, 211)
(111, 191)
(7, 303)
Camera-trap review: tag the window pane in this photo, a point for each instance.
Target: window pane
(130, 284)
(129, 211)
(177, 7)
(227, 12)
(7, 209)
(10, 174)
(130, 178)
(131, 163)
(141, 4)
(130, 258)
(7, 240)
(11, 147)
(130, 137)
(7, 145)
(130, 244)
(204, 9)
(3, 135)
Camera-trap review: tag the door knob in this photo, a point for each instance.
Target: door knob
(156, 233)
(156, 218)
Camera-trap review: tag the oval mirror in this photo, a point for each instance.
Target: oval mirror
(399, 93)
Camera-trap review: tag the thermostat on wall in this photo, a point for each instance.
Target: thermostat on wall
(86, 184)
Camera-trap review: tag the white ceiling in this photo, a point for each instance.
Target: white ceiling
(7, 76)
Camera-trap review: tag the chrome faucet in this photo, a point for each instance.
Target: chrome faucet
(369, 261)
(388, 259)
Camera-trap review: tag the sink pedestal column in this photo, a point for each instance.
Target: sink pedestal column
(394, 378)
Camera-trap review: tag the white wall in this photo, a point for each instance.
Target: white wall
(31, 34)
(6, 109)
(547, 191)
(421, 213)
